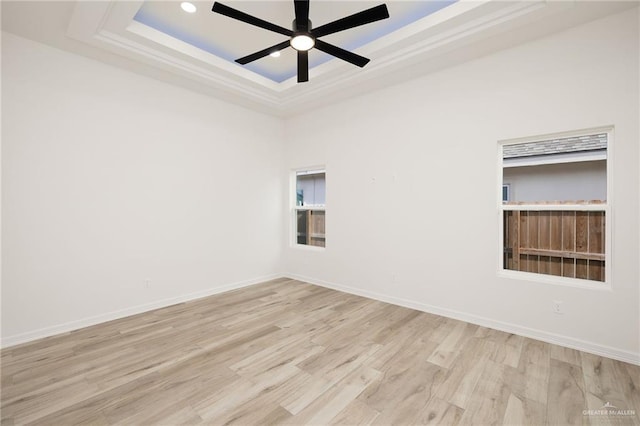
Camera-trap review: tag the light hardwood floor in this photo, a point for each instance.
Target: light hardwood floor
(286, 352)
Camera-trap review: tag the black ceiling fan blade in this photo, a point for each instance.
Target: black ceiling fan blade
(303, 66)
(241, 16)
(302, 14)
(361, 18)
(261, 54)
(338, 52)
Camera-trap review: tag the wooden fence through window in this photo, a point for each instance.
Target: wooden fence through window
(567, 243)
(311, 227)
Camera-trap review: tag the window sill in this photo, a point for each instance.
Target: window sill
(555, 280)
(307, 247)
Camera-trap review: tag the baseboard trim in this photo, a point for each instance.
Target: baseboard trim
(29, 336)
(556, 339)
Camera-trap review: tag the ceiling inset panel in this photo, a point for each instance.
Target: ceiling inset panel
(229, 39)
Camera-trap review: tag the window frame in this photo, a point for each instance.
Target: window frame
(294, 207)
(605, 285)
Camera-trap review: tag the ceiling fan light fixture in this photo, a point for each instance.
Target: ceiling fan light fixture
(188, 7)
(302, 42)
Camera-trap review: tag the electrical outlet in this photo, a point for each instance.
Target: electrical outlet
(147, 283)
(557, 307)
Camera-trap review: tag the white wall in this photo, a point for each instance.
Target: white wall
(584, 180)
(110, 178)
(422, 157)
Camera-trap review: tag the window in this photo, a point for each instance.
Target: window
(554, 212)
(309, 209)
(505, 192)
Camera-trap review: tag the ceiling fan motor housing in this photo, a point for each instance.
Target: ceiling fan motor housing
(297, 28)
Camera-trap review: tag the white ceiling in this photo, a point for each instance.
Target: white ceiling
(196, 51)
(231, 39)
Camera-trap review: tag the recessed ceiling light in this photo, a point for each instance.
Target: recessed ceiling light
(275, 54)
(188, 7)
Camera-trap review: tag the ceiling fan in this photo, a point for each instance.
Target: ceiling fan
(303, 37)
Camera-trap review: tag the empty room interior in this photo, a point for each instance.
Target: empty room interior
(320, 212)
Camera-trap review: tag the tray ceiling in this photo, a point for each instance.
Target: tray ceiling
(230, 39)
(197, 51)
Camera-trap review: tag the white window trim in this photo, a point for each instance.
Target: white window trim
(553, 279)
(293, 239)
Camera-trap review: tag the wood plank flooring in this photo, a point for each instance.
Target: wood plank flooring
(286, 352)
